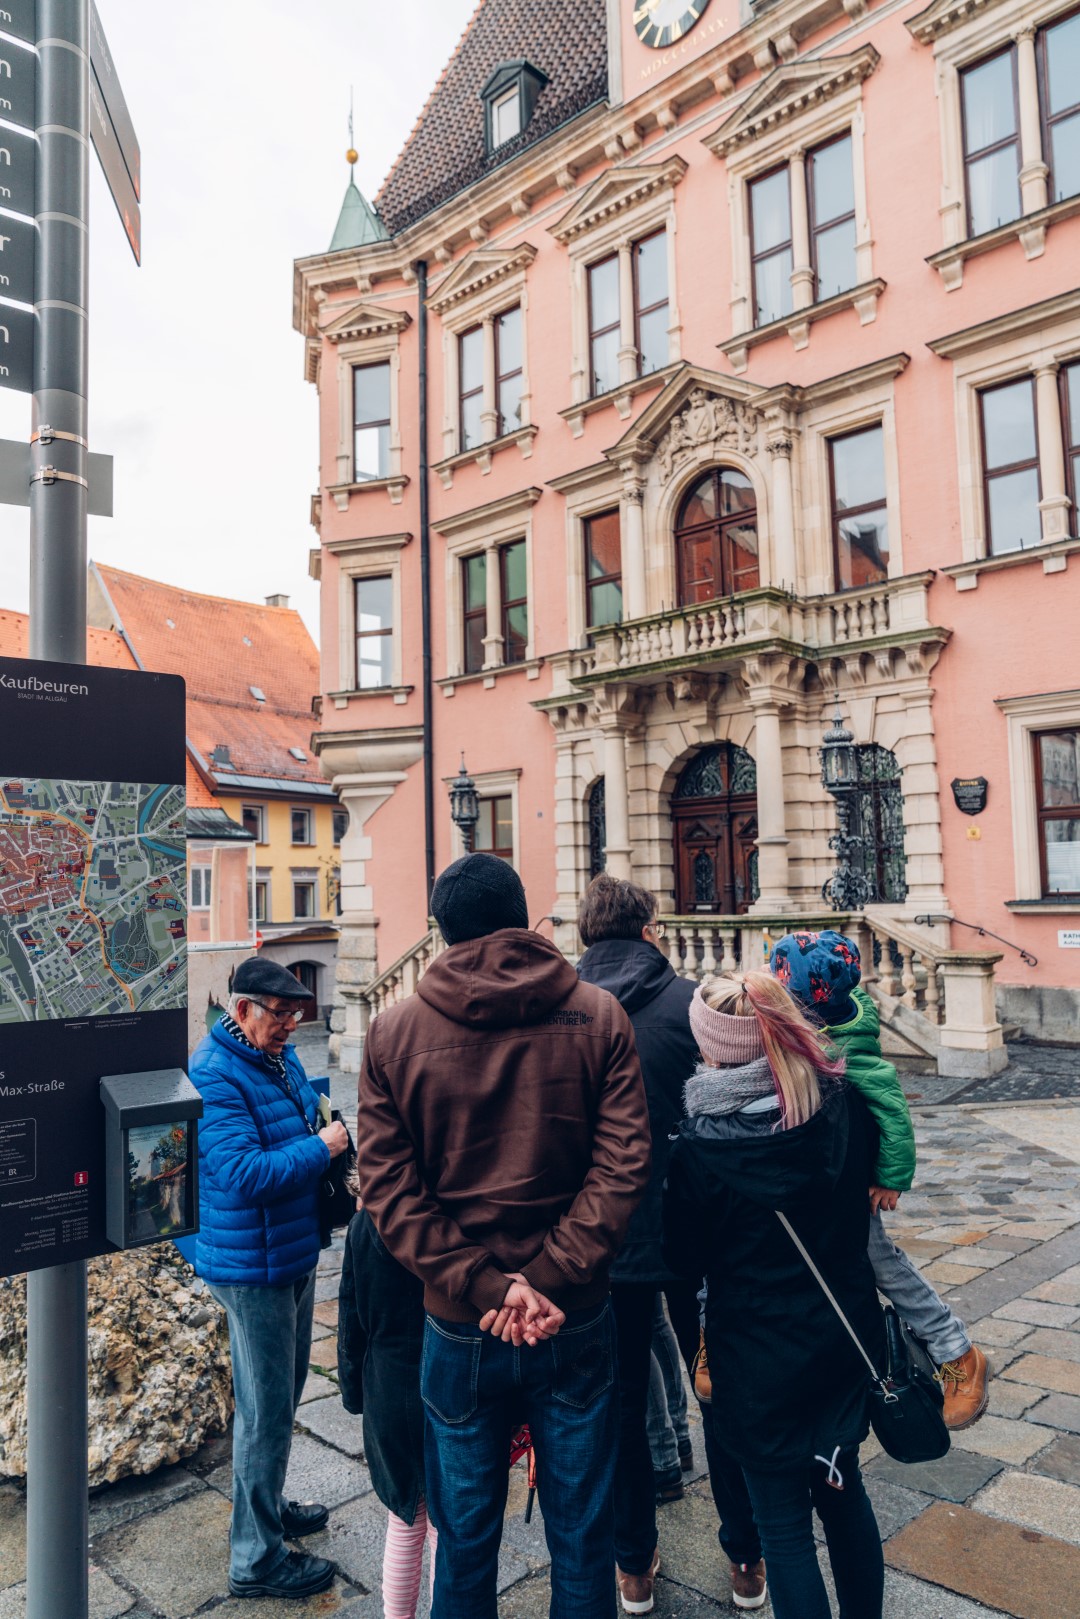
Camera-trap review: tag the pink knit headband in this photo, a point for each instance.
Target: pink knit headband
(723, 1040)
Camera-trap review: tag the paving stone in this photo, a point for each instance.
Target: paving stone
(1039, 1314)
(944, 1272)
(316, 1473)
(324, 1354)
(1062, 1376)
(317, 1387)
(1015, 1245)
(326, 1288)
(919, 1248)
(1040, 1230)
(1061, 1459)
(956, 1476)
(1045, 1504)
(327, 1313)
(12, 1536)
(107, 1599)
(963, 1238)
(341, 1600)
(1059, 1411)
(133, 1497)
(1008, 1441)
(1051, 1341)
(1059, 1291)
(985, 1255)
(1009, 1568)
(330, 1421)
(178, 1559)
(991, 1330)
(214, 1455)
(907, 1598)
(894, 1504)
(1011, 1399)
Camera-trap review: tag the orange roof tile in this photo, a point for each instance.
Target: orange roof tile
(199, 795)
(224, 649)
(104, 648)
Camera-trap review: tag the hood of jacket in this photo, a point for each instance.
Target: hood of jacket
(748, 1154)
(630, 969)
(502, 981)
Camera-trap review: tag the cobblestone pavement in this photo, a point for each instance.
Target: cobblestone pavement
(992, 1529)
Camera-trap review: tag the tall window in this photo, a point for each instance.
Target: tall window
(603, 570)
(262, 899)
(199, 888)
(495, 828)
(991, 120)
(470, 387)
(474, 603)
(341, 824)
(1010, 467)
(301, 825)
(371, 422)
(374, 606)
(1070, 415)
(515, 602)
(506, 117)
(304, 899)
(859, 520)
(716, 537)
(831, 196)
(509, 370)
(603, 279)
(1059, 64)
(1057, 786)
(770, 245)
(254, 817)
(651, 302)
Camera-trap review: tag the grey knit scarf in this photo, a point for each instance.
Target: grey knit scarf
(718, 1091)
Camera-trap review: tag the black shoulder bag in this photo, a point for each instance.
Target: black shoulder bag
(337, 1205)
(906, 1397)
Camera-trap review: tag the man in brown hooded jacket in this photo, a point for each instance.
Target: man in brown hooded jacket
(503, 1140)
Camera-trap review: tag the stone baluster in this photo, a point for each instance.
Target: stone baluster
(708, 955)
(881, 614)
(864, 938)
(887, 975)
(907, 976)
(665, 638)
(933, 991)
(690, 960)
(728, 962)
(674, 944)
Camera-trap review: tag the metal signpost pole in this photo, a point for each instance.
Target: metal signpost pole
(57, 1530)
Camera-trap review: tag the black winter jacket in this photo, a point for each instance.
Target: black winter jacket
(788, 1384)
(657, 1002)
(380, 1338)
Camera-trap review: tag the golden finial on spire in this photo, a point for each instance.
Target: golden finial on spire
(352, 155)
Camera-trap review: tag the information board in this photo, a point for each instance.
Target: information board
(93, 933)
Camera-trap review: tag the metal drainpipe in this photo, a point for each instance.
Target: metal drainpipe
(425, 588)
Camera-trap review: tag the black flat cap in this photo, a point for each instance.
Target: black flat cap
(257, 976)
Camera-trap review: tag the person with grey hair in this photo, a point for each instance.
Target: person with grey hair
(262, 1156)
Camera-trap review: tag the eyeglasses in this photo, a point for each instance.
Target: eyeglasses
(658, 929)
(282, 1019)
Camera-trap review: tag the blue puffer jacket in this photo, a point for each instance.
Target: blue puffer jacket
(259, 1168)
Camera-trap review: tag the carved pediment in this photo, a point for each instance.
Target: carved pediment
(943, 16)
(363, 320)
(477, 271)
(788, 91)
(614, 192)
(697, 408)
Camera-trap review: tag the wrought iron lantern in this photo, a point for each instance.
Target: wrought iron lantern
(849, 888)
(465, 805)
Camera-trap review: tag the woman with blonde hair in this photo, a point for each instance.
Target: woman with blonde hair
(773, 1128)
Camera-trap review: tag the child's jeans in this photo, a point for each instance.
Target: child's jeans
(667, 1423)
(928, 1316)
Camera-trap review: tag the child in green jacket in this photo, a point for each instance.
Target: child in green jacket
(822, 972)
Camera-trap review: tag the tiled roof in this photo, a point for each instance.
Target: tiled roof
(199, 795)
(105, 648)
(566, 39)
(223, 649)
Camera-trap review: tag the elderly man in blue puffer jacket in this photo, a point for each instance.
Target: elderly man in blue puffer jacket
(261, 1158)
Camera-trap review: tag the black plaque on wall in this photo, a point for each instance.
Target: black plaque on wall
(969, 792)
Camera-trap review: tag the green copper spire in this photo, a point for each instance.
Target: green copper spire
(358, 223)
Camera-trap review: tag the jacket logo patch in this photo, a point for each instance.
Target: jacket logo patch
(568, 1020)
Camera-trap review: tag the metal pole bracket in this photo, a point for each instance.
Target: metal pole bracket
(49, 475)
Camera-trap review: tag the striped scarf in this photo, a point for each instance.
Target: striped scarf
(233, 1029)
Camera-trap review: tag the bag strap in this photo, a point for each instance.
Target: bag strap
(827, 1290)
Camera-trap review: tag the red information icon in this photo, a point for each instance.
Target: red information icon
(82, 1178)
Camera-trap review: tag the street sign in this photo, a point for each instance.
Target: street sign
(18, 17)
(18, 245)
(104, 68)
(18, 75)
(15, 478)
(17, 159)
(107, 147)
(17, 330)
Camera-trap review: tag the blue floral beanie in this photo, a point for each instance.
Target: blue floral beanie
(820, 970)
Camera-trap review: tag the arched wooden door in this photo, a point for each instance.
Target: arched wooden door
(308, 974)
(714, 820)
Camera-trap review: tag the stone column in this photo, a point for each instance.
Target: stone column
(627, 335)
(616, 799)
(632, 521)
(1033, 168)
(772, 838)
(493, 641)
(489, 416)
(1054, 504)
(802, 273)
(785, 571)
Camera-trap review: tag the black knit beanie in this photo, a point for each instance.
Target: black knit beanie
(477, 895)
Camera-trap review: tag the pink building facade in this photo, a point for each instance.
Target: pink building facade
(750, 354)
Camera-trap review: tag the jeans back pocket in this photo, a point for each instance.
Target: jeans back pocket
(449, 1373)
(584, 1361)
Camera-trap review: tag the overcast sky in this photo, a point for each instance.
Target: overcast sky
(196, 381)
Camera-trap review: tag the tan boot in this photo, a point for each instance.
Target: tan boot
(748, 1589)
(702, 1380)
(966, 1393)
(636, 1590)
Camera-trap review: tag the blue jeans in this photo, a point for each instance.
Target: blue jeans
(666, 1420)
(783, 1507)
(474, 1389)
(917, 1303)
(270, 1340)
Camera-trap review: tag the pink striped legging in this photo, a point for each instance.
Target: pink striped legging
(402, 1556)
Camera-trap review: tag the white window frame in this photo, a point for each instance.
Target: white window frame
(263, 879)
(512, 94)
(366, 334)
(487, 529)
(586, 493)
(302, 843)
(834, 417)
(1024, 718)
(259, 810)
(199, 882)
(305, 879)
(495, 784)
(365, 558)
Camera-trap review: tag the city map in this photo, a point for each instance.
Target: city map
(92, 899)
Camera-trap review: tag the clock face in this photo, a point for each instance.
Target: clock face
(659, 23)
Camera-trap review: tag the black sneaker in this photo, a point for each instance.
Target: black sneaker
(298, 1576)
(686, 1456)
(303, 1518)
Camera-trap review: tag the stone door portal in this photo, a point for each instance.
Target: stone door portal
(714, 820)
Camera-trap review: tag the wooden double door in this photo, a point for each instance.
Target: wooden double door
(714, 821)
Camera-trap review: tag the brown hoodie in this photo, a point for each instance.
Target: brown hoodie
(502, 1126)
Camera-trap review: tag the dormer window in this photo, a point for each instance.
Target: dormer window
(509, 97)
